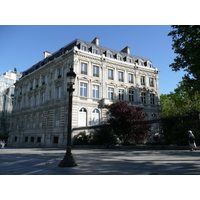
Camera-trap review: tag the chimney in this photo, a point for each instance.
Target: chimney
(126, 50)
(46, 54)
(96, 41)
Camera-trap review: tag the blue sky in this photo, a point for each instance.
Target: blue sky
(23, 46)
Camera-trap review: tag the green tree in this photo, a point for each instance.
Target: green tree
(186, 44)
(122, 119)
(176, 106)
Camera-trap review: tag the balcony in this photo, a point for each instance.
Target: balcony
(84, 72)
(96, 75)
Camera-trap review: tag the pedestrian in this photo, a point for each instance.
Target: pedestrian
(2, 143)
(191, 139)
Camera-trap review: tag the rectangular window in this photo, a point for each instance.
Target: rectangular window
(43, 80)
(129, 60)
(84, 48)
(121, 94)
(152, 99)
(110, 74)
(83, 68)
(95, 51)
(51, 75)
(59, 93)
(50, 94)
(109, 55)
(15, 139)
(32, 139)
(143, 97)
(59, 72)
(119, 58)
(141, 63)
(31, 85)
(151, 82)
(95, 91)
(36, 100)
(19, 105)
(83, 89)
(36, 83)
(38, 139)
(130, 78)
(142, 80)
(42, 97)
(26, 139)
(95, 71)
(120, 76)
(55, 140)
(110, 93)
(131, 95)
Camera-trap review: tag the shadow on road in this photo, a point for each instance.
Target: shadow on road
(101, 162)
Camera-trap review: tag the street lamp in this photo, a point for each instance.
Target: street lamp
(68, 160)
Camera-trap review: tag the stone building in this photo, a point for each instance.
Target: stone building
(7, 81)
(103, 77)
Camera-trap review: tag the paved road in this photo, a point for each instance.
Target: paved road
(44, 161)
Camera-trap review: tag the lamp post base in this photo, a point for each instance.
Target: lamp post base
(68, 161)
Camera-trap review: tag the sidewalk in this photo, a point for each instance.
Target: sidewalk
(44, 161)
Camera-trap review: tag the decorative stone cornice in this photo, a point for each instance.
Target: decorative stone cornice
(58, 82)
(83, 78)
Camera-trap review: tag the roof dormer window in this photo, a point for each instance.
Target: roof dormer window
(83, 46)
(94, 50)
(128, 59)
(149, 65)
(119, 57)
(141, 63)
(108, 54)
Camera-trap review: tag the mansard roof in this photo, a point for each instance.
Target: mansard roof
(90, 45)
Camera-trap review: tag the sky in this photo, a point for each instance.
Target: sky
(22, 46)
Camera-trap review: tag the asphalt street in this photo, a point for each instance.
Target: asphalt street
(44, 161)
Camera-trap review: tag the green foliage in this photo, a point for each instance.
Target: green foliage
(176, 105)
(81, 139)
(103, 136)
(186, 44)
(181, 102)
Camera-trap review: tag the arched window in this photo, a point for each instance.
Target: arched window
(95, 117)
(82, 119)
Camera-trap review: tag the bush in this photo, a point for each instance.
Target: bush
(81, 139)
(103, 136)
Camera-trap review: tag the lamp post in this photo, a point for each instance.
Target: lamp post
(68, 160)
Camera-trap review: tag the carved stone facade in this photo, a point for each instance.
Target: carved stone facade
(103, 76)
